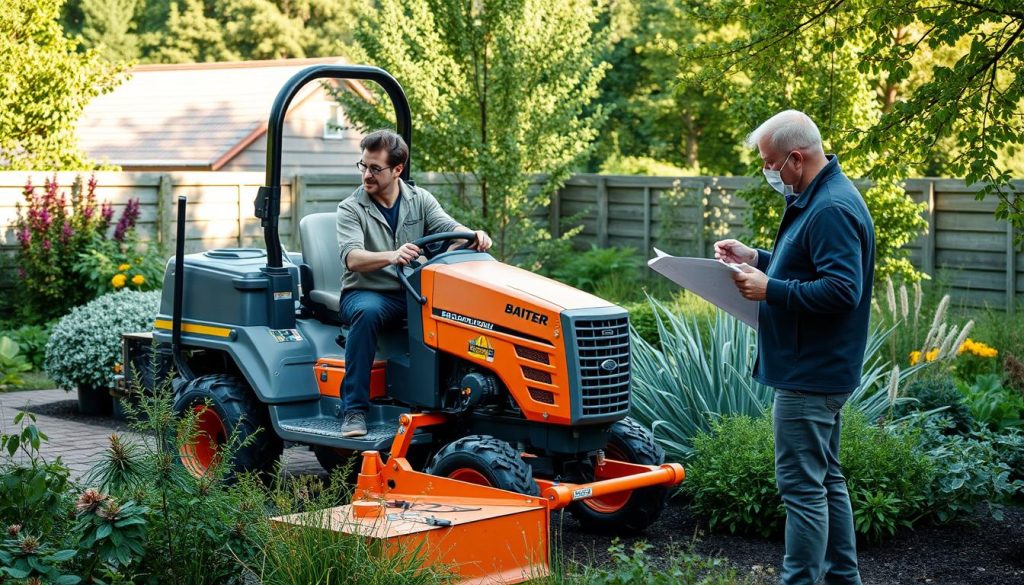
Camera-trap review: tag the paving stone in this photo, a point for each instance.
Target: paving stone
(81, 445)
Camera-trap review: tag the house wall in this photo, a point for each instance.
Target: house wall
(306, 151)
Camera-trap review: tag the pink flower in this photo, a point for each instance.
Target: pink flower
(67, 232)
(128, 218)
(47, 245)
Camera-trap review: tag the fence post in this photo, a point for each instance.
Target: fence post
(163, 214)
(555, 214)
(928, 250)
(602, 212)
(297, 189)
(704, 197)
(647, 221)
(1011, 269)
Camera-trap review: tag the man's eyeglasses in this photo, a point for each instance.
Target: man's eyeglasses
(374, 169)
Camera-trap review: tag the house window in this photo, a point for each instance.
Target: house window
(335, 124)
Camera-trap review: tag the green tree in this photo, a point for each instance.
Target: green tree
(650, 115)
(818, 74)
(46, 83)
(500, 91)
(938, 82)
(182, 31)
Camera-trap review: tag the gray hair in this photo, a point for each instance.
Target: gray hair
(787, 131)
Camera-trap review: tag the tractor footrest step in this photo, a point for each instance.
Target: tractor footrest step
(331, 427)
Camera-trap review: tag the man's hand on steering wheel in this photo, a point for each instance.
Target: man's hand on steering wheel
(483, 241)
(405, 254)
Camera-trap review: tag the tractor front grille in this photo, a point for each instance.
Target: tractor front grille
(602, 346)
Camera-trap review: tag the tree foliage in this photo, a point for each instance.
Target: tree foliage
(901, 85)
(46, 83)
(500, 91)
(183, 31)
(651, 116)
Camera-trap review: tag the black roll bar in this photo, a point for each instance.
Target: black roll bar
(268, 200)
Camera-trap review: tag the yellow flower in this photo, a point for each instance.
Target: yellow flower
(932, 354)
(123, 267)
(978, 348)
(915, 356)
(138, 279)
(118, 280)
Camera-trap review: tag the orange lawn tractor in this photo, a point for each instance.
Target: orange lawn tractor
(502, 382)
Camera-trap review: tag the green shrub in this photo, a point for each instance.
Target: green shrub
(969, 470)
(35, 492)
(86, 344)
(731, 477)
(12, 364)
(1009, 448)
(598, 267)
(993, 405)
(939, 391)
(31, 339)
(110, 265)
(887, 477)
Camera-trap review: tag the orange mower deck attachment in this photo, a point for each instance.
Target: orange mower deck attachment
(480, 534)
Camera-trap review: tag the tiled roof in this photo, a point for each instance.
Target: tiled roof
(190, 115)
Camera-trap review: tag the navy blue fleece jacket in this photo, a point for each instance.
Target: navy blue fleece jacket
(813, 326)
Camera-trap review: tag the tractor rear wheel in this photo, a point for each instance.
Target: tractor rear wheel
(633, 510)
(223, 405)
(331, 459)
(487, 461)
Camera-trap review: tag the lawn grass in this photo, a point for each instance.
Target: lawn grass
(34, 380)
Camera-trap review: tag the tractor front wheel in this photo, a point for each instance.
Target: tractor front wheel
(633, 510)
(487, 461)
(223, 405)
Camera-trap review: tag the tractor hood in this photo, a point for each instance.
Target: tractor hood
(517, 282)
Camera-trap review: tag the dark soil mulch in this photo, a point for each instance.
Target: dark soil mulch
(68, 410)
(979, 550)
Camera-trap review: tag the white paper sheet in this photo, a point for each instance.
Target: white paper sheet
(709, 279)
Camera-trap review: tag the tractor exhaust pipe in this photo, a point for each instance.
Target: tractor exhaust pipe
(179, 291)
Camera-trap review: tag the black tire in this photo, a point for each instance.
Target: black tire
(331, 459)
(634, 444)
(494, 460)
(231, 401)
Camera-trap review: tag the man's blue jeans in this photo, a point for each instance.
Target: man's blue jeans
(820, 541)
(366, 312)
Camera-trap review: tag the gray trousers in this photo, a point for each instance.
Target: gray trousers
(820, 543)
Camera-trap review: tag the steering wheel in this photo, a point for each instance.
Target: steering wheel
(441, 238)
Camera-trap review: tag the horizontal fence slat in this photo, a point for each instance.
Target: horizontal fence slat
(968, 243)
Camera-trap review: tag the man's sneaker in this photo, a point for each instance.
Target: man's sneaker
(354, 425)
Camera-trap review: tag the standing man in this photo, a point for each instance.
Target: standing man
(375, 225)
(812, 329)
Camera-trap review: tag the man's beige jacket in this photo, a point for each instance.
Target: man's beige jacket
(362, 227)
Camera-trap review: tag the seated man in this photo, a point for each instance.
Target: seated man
(375, 225)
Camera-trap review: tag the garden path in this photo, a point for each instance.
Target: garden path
(79, 440)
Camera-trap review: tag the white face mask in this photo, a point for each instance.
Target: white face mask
(774, 178)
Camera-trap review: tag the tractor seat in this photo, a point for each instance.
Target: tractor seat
(319, 236)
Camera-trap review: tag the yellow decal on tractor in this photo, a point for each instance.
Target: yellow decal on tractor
(481, 349)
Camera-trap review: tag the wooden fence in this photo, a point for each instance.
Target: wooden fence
(965, 244)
